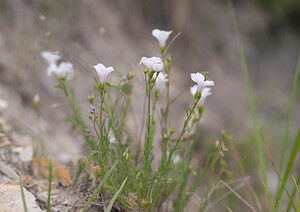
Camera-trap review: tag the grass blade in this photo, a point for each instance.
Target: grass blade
(257, 137)
(49, 187)
(288, 168)
(109, 207)
(99, 187)
(281, 180)
(296, 186)
(23, 195)
(293, 97)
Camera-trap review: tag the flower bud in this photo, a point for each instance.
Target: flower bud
(130, 75)
(91, 99)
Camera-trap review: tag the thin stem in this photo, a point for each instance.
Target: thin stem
(49, 186)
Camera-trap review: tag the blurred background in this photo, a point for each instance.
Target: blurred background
(118, 33)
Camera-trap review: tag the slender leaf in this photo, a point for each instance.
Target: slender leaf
(281, 180)
(99, 187)
(49, 187)
(289, 165)
(109, 207)
(23, 195)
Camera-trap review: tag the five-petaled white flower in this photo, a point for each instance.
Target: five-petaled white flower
(201, 82)
(161, 36)
(103, 72)
(63, 69)
(205, 93)
(160, 80)
(152, 63)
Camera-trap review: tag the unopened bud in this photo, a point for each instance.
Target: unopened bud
(130, 75)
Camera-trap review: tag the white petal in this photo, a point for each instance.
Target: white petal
(161, 80)
(110, 69)
(143, 59)
(205, 93)
(193, 90)
(52, 69)
(197, 77)
(99, 67)
(200, 86)
(161, 36)
(157, 67)
(111, 139)
(209, 83)
(65, 69)
(155, 59)
(103, 72)
(148, 64)
(50, 57)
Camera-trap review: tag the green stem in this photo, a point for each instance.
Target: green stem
(166, 114)
(49, 186)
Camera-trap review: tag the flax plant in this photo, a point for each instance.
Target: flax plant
(116, 162)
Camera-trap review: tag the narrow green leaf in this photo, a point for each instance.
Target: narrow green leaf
(296, 188)
(288, 168)
(99, 187)
(49, 186)
(109, 207)
(23, 195)
(281, 180)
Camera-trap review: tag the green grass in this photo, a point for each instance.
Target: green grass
(23, 195)
(49, 186)
(282, 182)
(111, 203)
(99, 187)
(288, 169)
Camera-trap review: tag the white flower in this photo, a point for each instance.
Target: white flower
(201, 82)
(64, 69)
(205, 93)
(3, 105)
(111, 139)
(152, 63)
(160, 80)
(103, 72)
(161, 36)
(175, 158)
(50, 57)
